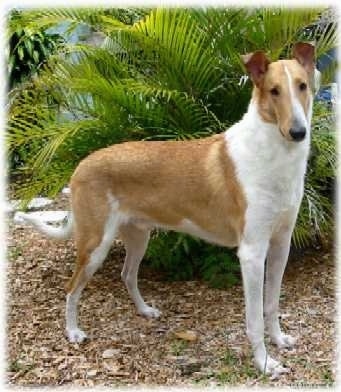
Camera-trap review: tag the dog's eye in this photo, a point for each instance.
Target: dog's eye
(274, 91)
(302, 86)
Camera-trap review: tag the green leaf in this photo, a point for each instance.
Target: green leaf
(28, 46)
(21, 52)
(35, 56)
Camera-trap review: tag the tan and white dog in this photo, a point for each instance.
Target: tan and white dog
(241, 188)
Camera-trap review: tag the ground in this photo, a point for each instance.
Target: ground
(200, 338)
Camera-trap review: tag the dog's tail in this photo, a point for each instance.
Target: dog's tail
(62, 232)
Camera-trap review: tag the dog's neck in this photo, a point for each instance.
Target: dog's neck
(263, 156)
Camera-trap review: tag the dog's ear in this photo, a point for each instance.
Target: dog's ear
(256, 65)
(304, 53)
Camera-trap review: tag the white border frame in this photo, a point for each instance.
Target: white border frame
(5, 6)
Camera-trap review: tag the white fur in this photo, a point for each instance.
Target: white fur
(297, 109)
(271, 172)
(114, 220)
(62, 232)
(73, 332)
(269, 168)
(135, 240)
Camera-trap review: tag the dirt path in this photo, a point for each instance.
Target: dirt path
(127, 349)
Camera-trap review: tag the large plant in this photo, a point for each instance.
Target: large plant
(182, 257)
(28, 48)
(316, 217)
(173, 74)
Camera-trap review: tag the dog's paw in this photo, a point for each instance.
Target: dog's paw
(271, 367)
(284, 341)
(149, 312)
(76, 335)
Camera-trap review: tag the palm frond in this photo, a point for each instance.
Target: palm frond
(99, 19)
(159, 74)
(282, 26)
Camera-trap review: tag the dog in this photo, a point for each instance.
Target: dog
(240, 188)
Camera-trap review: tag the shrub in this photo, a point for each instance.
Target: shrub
(315, 219)
(28, 51)
(28, 48)
(182, 257)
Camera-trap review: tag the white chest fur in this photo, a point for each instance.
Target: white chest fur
(270, 168)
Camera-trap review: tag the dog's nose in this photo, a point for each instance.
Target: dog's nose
(298, 134)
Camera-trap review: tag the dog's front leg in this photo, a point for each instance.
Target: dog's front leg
(276, 261)
(252, 259)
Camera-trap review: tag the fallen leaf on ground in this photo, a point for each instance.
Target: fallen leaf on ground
(190, 336)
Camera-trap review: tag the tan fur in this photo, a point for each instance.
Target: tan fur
(158, 183)
(90, 209)
(275, 109)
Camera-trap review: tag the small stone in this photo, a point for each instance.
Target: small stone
(111, 367)
(330, 317)
(91, 373)
(312, 312)
(66, 190)
(110, 353)
(284, 316)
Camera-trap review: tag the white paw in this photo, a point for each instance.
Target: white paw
(284, 341)
(271, 367)
(149, 312)
(76, 335)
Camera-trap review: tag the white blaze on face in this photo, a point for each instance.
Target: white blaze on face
(298, 115)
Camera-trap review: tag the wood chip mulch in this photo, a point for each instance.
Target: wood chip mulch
(199, 340)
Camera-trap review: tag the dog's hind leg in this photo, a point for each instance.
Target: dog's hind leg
(93, 246)
(135, 241)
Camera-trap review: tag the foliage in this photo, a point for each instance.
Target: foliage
(182, 257)
(315, 220)
(28, 48)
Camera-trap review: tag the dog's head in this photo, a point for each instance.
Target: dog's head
(283, 90)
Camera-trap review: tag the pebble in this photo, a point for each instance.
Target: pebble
(110, 353)
(91, 373)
